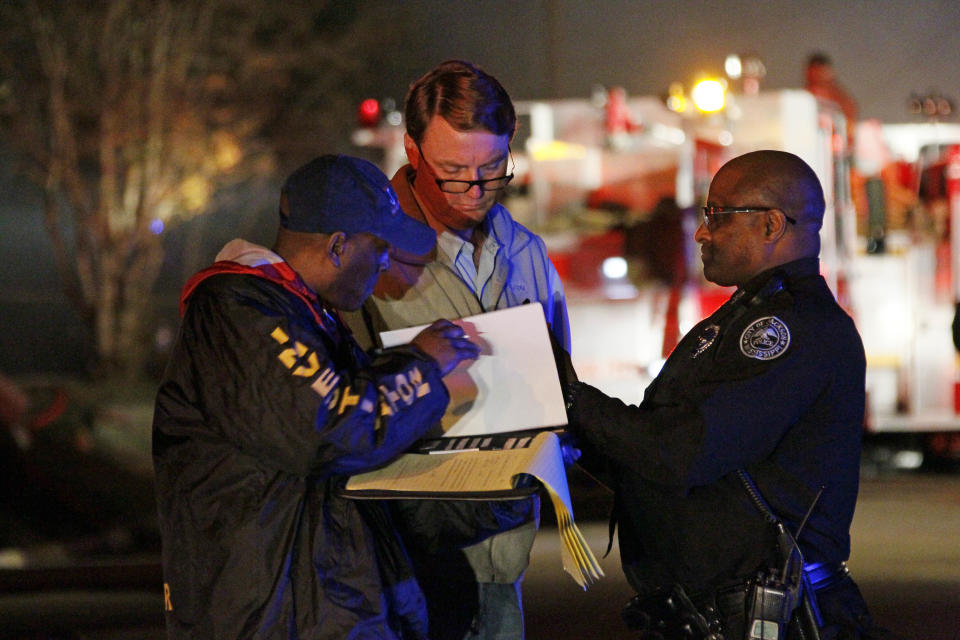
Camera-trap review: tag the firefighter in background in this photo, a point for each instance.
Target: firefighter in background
(883, 189)
(821, 81)
(619, 123)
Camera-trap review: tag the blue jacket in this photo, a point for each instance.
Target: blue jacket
(266, 407)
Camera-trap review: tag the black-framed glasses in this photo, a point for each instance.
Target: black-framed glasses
(462, 186)
(710, 214)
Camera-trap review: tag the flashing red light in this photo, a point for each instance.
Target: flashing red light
(369, 113)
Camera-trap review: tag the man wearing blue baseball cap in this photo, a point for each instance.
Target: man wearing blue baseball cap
(268, 405)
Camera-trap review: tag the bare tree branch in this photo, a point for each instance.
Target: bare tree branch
(131, 114)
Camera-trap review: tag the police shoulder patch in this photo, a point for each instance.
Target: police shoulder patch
(765, 338)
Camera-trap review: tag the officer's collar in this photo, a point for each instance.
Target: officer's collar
(766, 279)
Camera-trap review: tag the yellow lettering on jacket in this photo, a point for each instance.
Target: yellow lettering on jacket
(385, 409)
(348, 400)
(416, 379)
(405, 389)
(291, 355)
(307, 371)
(325, 382)
(408, 387)
(167, 605)
(332, 399)
(389, 399)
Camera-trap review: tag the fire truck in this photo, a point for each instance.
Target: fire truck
(612, 183)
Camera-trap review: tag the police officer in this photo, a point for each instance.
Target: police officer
(755, 418)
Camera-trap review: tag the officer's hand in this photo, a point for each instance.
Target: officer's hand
(568, 447)
(446, 343)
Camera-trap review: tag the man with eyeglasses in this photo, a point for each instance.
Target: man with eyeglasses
(744, 454)
(460, 122)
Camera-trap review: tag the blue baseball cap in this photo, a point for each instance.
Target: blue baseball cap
(342, 193)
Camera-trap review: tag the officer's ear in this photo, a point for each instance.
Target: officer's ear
(775, 225)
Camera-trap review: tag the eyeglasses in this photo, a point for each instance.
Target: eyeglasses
(462, 186)
(710, 214)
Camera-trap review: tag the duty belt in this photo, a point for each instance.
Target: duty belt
(819, 576)
(730, 602)
(722, 612)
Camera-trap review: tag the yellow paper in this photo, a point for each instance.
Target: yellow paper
(478, 472)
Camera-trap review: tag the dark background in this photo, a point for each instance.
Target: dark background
(882, 52)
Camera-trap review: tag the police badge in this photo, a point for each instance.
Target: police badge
(705, 339)
(765, 338)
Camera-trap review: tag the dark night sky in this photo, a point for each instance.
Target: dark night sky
(539, 49)
(882, 50)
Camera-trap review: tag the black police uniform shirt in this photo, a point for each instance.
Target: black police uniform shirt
(772, 382)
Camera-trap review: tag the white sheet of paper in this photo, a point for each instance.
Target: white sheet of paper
(512, 386)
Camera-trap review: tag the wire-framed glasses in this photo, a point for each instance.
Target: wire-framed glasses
(711, 215)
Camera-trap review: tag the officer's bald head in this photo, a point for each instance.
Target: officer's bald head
(786, 206)
(781, 180)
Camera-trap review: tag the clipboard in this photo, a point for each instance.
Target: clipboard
(496, 434)
(512, 387)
